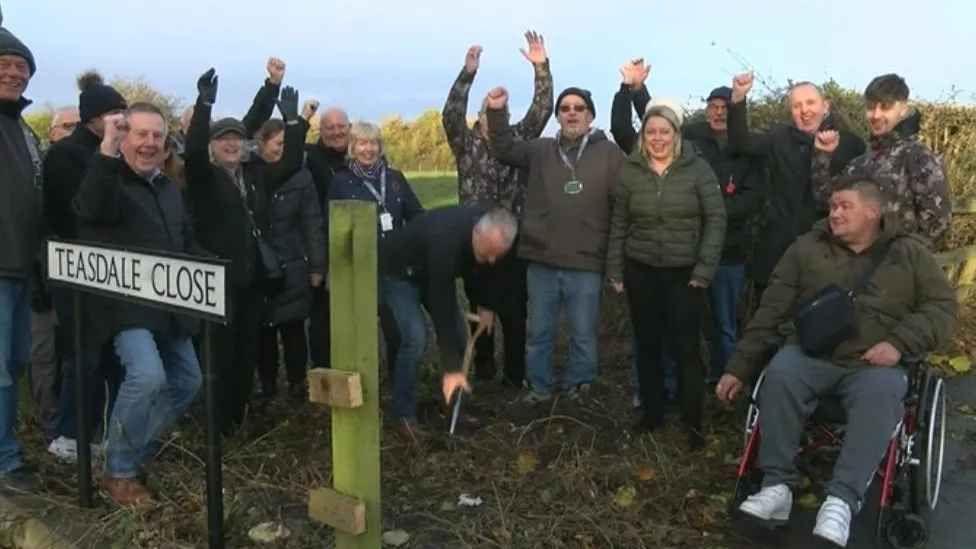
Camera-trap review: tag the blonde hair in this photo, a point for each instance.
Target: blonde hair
(364, 131)
(676, 147)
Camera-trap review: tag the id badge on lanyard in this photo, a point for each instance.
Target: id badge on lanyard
(386, 219)
(574, 185)
(386, 222)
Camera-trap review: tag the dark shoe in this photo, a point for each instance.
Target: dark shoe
(126, 492)
(21, 480)
(411, 432)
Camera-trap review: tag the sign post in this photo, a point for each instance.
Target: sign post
(183, 284)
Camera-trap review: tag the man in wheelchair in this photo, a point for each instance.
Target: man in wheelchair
(860, 294)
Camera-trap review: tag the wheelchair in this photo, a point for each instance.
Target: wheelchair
(910, 473)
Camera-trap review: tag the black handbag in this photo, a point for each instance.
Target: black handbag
(828, 318)
(271, 274)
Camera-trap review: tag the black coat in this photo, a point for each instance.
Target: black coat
(20, 194)
(324, 163)
(116, 206)
(219, 210)
(298, 237)
(65, 166)
(791, 208)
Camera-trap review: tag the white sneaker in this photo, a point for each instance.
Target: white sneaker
(64, 448)
(834, 521)
(772, 503)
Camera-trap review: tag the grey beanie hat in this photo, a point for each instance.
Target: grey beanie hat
(10, 45)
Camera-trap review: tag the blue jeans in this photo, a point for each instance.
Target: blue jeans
(15, 349)
(162, 377)
(403, 299)
(724, 293)
(670, 371)
(579, 292)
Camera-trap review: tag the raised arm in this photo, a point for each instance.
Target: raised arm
(454, 115)
(198, 171)
(295, 130)
(264, 101)
(741, 140)
(632, 90)
(98, 199)
(535, 120)
(504, 146)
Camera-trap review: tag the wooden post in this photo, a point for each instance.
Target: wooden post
(355, 431)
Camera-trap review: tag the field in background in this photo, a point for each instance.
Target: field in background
(434, 189)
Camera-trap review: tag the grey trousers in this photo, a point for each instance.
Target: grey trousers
(45, 372)
(872, 397)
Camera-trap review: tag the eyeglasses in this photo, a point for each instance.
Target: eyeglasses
(574, 108)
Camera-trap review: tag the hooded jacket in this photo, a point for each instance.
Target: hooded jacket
(916, 175)
(563, 230)
(908, 301)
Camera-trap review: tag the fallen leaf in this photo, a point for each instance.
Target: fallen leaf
(808, 501)
(268, 532)
(961, 364)
(646, 474)
(395, 538)
(466, 500)
(625, 496)
(526, 462)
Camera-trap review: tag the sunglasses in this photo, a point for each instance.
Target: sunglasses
(575, 108)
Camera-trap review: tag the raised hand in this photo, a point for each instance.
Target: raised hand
(207, 87)
(276, 70)
(536, 53)
(115, 130)
(309, 107)
(497, 98)
(288, 104)
(472, 59)
(634, 72)
(827, 141)
(741, 85)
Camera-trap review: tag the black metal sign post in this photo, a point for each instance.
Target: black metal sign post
(184, 284)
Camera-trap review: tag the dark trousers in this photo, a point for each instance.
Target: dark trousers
(296, 354)
(319, 329)
(512, 312)
(45, 372)
(236, 348)
(663, 307)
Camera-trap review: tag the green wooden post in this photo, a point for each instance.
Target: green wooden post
(356, 431)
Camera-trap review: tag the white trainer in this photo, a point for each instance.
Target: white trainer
(772, 503)
(64, 448)
(834, 521)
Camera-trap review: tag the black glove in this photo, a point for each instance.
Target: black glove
(207, 86)
(288, 104)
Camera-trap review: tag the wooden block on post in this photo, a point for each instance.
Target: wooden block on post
(344, 513)
(337, 388)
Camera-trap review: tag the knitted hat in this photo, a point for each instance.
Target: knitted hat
(225, 126)
(668, 109)
(10, 45)
(97, 98)
(582, 94)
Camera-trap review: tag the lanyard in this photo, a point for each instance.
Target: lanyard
(380, 196)
(579, 154)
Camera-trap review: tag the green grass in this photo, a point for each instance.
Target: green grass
(434, 189)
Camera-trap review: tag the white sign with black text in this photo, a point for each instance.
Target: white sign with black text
(176, 282)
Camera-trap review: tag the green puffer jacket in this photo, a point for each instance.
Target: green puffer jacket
(908, 302)
(671, 220)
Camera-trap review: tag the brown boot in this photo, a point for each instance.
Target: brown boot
(410, 432)
(126, 491)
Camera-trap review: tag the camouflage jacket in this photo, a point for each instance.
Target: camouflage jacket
(481, 178)
(920, 194)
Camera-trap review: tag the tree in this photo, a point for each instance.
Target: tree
(40, 121)
(140, 90)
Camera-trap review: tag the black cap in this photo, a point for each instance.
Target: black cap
(582, 94)
(721, 92)
(227, 125)
(10, 45)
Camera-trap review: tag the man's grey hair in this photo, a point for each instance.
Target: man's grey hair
(502, 220)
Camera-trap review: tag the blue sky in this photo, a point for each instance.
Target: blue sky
(382, 57)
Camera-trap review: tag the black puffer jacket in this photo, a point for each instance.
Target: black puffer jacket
(298, 236)
(65, 166)
(117, 206)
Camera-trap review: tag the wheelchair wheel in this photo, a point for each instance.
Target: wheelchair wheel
(926, 479)
(906, 531)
